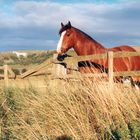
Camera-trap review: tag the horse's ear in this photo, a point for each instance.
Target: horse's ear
(69, 24)
(62, 25)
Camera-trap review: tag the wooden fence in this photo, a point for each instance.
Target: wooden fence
(59, 71)
(7, 73)
(71, 61)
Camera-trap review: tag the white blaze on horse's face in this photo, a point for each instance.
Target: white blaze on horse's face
(59, 45)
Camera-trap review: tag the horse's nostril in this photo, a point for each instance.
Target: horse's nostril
(60, 58)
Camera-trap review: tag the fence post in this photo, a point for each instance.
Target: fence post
(110, 68)
(6, 75)
(58, 70)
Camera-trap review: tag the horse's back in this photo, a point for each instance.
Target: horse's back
(129, 63)
(122, 48)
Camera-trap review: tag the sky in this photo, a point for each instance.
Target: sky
(34, 24)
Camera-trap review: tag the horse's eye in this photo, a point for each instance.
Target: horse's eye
(68, 34)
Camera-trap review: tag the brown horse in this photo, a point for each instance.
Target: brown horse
(83, 44)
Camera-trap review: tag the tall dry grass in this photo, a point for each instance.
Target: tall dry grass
(70, 110)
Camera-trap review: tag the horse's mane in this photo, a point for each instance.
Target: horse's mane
(89, 37)
(67, 26)
(84, 33)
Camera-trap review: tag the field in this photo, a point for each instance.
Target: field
(43, 108)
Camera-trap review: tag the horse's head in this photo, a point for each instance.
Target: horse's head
(66, 40)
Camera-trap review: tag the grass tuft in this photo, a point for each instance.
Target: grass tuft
(70, 110)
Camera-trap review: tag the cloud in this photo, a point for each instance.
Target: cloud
(35, 24)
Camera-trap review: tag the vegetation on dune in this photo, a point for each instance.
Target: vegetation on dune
(70, 110)
(21, 64)
(32, 58)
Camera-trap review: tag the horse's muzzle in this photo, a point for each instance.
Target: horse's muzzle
(62, 57)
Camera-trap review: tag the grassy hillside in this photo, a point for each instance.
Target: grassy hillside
(33, 57)
(22, 64)
(70, 110)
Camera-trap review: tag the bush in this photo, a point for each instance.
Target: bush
(134, 128)
(9, 107)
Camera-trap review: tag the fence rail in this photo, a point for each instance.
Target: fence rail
(59, 70)
(100, 56)
(7, 71)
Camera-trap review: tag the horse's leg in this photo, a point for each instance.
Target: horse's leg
(133, 81)
(137, 85)
(87, 69)
(136, 82)
(83, 70)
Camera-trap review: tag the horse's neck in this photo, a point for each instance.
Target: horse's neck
(85, 45)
